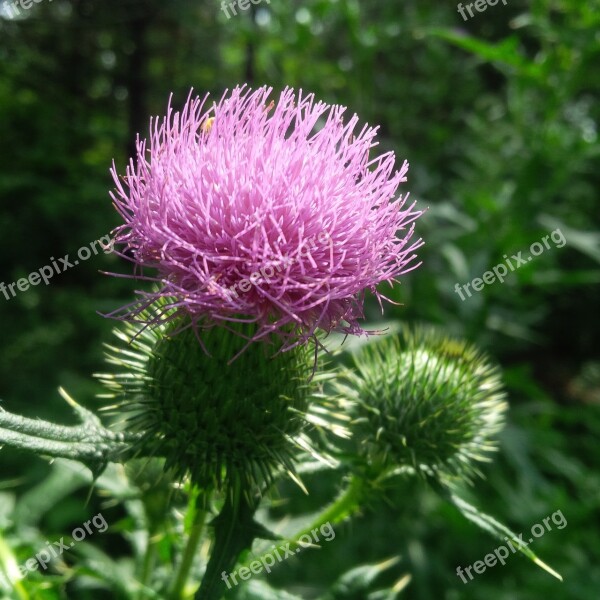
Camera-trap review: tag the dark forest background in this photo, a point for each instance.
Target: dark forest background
(498, 118)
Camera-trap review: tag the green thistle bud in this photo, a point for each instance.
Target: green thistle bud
(210, 416)
(423, 400)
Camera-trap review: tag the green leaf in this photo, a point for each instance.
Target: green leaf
(64, 478)
(117, 575)
(505, 53)
(587, 242)
(355, 584)
(499, 531)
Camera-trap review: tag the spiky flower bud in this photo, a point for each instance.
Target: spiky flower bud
(212, 418)
(424, 400)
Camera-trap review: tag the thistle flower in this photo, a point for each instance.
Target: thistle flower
(266, 213)
(423, 400)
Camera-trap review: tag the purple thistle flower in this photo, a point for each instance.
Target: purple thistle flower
(266, 213)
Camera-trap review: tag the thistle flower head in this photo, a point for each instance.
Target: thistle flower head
(266, 212)
(211, 420)
(424, 400)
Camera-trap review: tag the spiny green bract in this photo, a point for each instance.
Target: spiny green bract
(211, 419)
(424, 400)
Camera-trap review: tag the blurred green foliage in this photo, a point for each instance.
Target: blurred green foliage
(498, 117)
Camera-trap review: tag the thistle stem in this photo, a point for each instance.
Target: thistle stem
(148, 564)
(191, 548)
(234, 532)
(89, 442)
(82, 451)
(343, 506)
(43, 429)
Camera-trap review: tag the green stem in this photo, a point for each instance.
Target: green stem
(345, 504)
(81, 451)
(234, 531)
(43, 429)
(149, 562)
(89, 442)
(191, 548)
